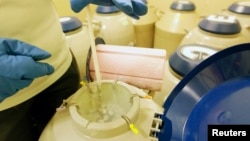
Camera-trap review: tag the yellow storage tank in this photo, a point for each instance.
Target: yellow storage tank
(174, 25)
(118, 114)
(113, 26)
(217, 31)
(240, 10)
(145, 28)
(209, 7)
(183, 60)
(78, 40)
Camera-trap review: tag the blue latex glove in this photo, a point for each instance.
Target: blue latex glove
(19, 66)
(133, 8)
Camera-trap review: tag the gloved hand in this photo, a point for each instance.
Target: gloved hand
(19, 66)
(133, 8)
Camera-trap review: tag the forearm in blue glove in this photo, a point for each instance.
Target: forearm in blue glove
(19, 65)
(133, 8)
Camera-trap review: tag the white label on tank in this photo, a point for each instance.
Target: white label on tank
(197, 52)
(64, 19)
(221, 18)
(184, 1)
(244, 3)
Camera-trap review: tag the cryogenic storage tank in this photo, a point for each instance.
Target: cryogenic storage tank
(240, 10)
(145, 28)
(78, 40)
(113, 26)
(182, 61)
(174, 24)
(217, 31)
(114, 111)
(208, 7)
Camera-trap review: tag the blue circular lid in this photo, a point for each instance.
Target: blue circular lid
(222, 67)
(186, 57)
(107, 9)
(226, 104)
(242, 7)
(220, 24)
(183, 5)
(70, 23)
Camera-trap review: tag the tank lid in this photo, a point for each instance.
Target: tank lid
(186, 57)
(224, 104)
(70, 23)
(183, 5)
(201, 81)
(107, 9)
(220, 24)
(242, 7)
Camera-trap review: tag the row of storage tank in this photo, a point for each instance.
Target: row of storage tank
(187, 36)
